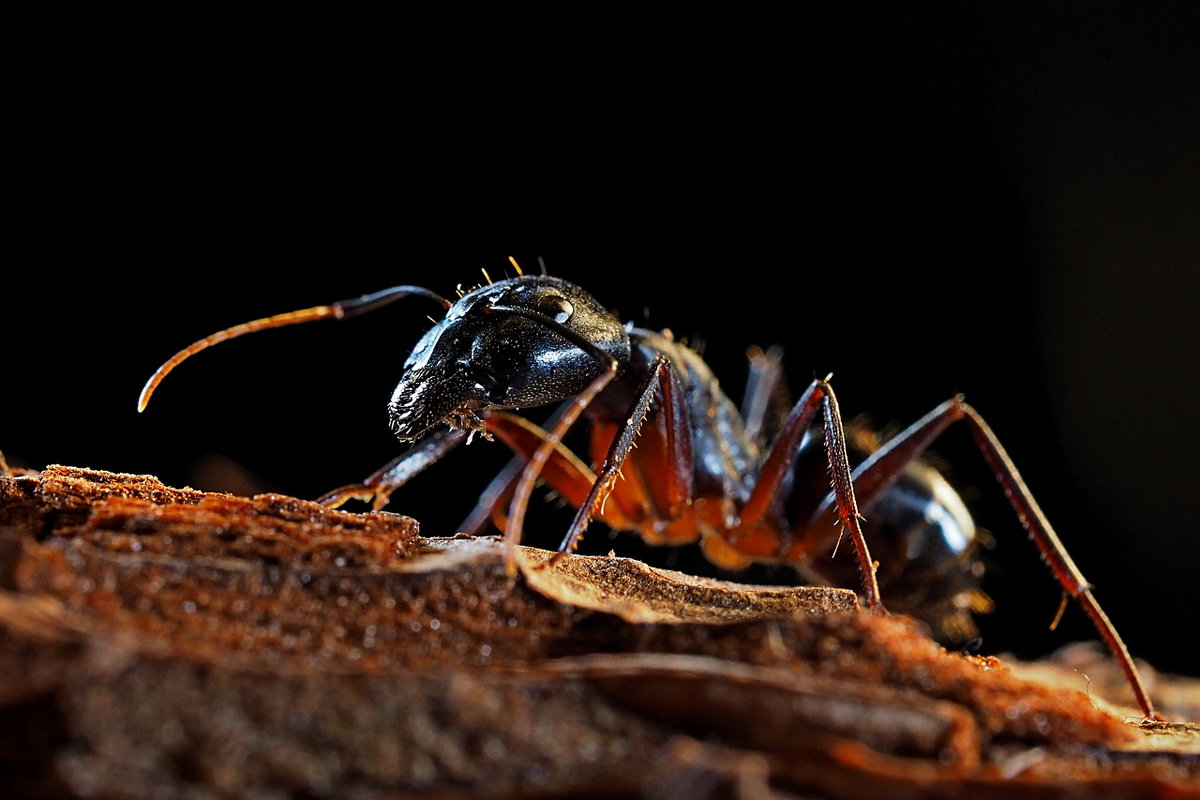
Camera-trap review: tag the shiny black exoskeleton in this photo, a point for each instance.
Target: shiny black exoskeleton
(493, 350)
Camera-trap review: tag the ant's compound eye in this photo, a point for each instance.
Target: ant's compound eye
(556, 307)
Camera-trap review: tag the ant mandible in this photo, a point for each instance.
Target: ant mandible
(749, 485)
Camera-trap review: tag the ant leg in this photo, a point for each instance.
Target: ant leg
(875, 474)
(537, 461)
(378, 487)
(782, 456)
(676, 432)
(881, 468)
(563, 472)
(499, 491)
(765, 402)
(1052, 548)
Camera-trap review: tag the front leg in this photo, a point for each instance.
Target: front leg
(677, 435)
(379, 485)
(563, 472)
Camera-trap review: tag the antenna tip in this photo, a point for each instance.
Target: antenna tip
(144, 397)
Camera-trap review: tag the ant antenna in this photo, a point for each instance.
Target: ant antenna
(342, 309)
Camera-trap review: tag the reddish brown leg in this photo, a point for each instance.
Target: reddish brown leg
(537, 462)
(501, 488)
(377, 488)
(781, 458)
(563, 472)
(878, 472)
(677, 433)
(881, 469)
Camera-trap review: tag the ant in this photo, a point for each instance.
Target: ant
(751, 484)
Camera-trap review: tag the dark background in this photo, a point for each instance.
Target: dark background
(983, 201)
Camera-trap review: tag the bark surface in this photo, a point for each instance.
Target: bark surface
(157, 641)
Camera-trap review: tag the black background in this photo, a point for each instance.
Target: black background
(925, 203)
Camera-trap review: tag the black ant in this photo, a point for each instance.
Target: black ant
(748, 484)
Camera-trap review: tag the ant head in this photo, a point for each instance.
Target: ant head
(517, 343)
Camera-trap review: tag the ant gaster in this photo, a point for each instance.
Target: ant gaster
(750, 485)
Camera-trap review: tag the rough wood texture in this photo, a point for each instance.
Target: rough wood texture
(166, 642)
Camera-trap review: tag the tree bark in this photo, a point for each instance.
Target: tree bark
(157, 641)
